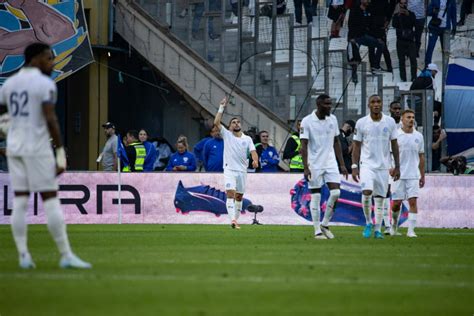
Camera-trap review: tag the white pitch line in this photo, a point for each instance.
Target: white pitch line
(213, 279)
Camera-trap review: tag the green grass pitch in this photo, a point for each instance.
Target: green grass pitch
(264, 270)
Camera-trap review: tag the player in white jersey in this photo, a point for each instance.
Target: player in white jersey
(319, 148)
(412, 172)
(395, 113)
(373, 135)
(30, 97)
(237, 148)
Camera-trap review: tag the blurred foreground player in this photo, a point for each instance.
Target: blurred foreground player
(30, 97)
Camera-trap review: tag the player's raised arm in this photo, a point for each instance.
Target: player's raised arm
(217, 119)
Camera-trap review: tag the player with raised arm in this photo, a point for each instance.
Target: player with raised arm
(319, 148)
(237, 147)
(412, 172)
(30, 97)
(371, 153)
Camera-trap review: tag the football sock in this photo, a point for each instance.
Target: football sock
(333, 196)
(366, 205)
(238, 209)
(18, 223)
(386, 212)
(315, 210)
(56, 225)
(411, 222)
(230, 204)
(378, 213)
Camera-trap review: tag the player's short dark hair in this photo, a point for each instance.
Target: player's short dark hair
(33, 50)
(234, 118)
(133, 133)
(374, 95)
(408, 111)
(261, 132)
(394, 102)
(322, 97)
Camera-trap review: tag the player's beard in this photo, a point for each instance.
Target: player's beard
(237, 129)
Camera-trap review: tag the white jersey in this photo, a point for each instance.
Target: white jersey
(320, 135)
(24, 94)
(236, 150)
(411, 145)
(375, 137)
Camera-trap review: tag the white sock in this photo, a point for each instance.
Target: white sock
(18, 223)
(386, 212)
(315, 206)
(411, 222)
(378, 213)
(56, 225)
(366, 205)
(238, 209)
(333, 196)
(230, 204)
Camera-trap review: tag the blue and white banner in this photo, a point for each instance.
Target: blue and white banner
(459, 105)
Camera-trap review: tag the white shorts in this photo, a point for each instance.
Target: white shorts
(32, 174)
(375, 180)
(321, 176)
(235, 180)
(405, 189)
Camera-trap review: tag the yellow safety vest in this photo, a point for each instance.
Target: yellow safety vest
(297, 161)
(139, 159)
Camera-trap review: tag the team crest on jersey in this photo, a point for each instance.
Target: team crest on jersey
(417, 140)
(385, 130)
(185, 159)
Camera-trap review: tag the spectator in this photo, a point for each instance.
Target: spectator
(244, 6)
(336, 12)
(346, 142)
(198, 151)
(292, 151)
(151, 153)
(425, 80)
(299, 11)
(164, 151)
(182, 160)
(466, 9)
(184, 12)
(267, 155)
(443, 18)
(457, 165)
(418, 7)
(360, 24)
(381, 11)
(404, 21)
(438, 136)
(109, 153)
(136, 153)
(214, 5)
(213, 152)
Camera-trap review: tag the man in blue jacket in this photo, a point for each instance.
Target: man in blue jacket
(443, 12)
(213, 152)
(268, 155)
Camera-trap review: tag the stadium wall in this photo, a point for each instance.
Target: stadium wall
(92, 198)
